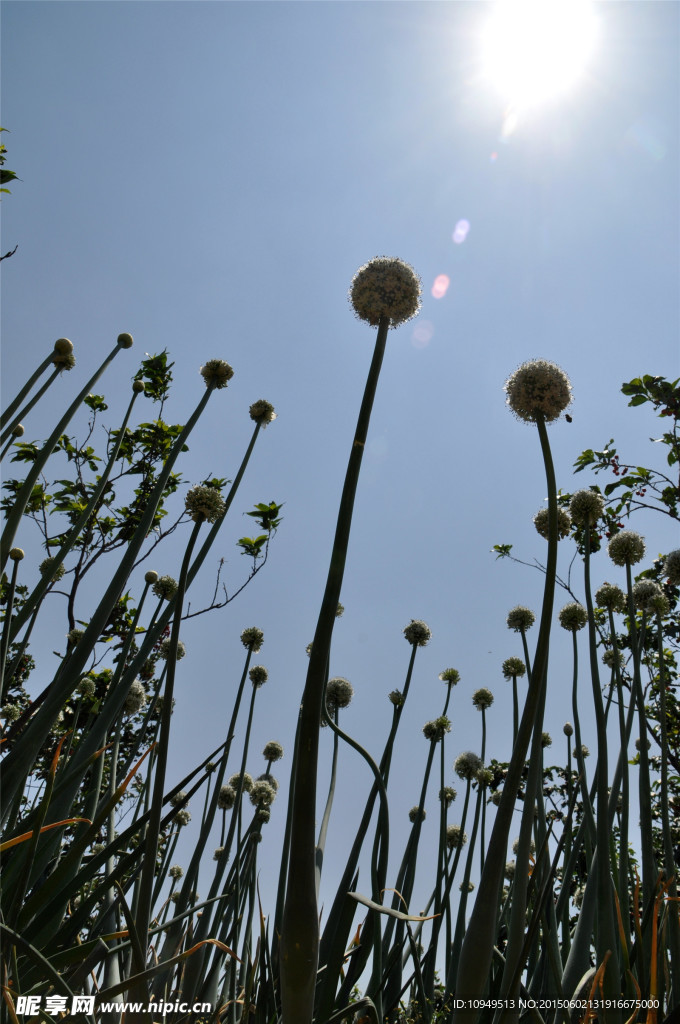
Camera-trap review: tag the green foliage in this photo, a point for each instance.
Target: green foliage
(5, 175)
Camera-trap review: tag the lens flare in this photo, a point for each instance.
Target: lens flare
(440, 286)
(422, 334)
(460, 232)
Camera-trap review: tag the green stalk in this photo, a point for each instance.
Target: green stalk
(649, 867)
(669, 859)
(606, 938)
(9, 411)
(193, 971)
(323, 830)
(336, 932)
(22, 498)
(623, 889)
(4, 642)
(27, 408)
(300, 929)
(143, 916)
(36, 596)
(19, 761)
(518, 908)
(478, 945)
(404, 889)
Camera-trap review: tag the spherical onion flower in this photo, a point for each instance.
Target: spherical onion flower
(385, 287)
(586, 506)
(546, 740)
(226, 798)
(204, 504)
(339, 692)
(165, 587)
(520, 618)
(216, 373)
(235, 781)
(563, 523)
(176, 872)
(417, 814)
(447, 795)
(612, 658)
(466, 887)
(10, 712)
(638, 744)
(266, 777)
(649, 596)
(210, 768)
(671, 566)
(183, 817)
(138, 386)
(626, 548)
(74, 636)
(585, 752)
(611, 597)
(418, 633)
(165, 649)
(52, 568)
(339, 611)
(573, 616)
(252, 639)
(450, 676)
(151, 576)
(437, 728)
(125, 340)
(510, 870)
(179, 799)
(218, 853)
(258, 675)
(262, 412)
(273, 751)
(513, 668)
(263, 814)
(484, 776)
(455, 837)
(16, 554)
(532, 847)
(467, 765)
(482, 698)
(18, 430)
(568, 729)
(496, 797)
(262, 794)
(136, 698)
(62, 356)
(308, 649)
(538, 389)
(396, 697)
(86, 687)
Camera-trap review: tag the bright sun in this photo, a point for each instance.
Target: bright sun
(533, 50)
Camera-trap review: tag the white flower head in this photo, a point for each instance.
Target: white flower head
(385, 287)
(538, 389)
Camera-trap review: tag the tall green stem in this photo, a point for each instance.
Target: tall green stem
(300, 929)
(477, 951)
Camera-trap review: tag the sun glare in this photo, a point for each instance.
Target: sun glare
(535, 50)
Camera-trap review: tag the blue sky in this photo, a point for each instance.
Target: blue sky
(209, 176)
